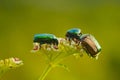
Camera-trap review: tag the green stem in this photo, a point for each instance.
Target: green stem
(44, 74)
(3, 70)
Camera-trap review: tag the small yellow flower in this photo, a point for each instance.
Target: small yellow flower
(8, 64)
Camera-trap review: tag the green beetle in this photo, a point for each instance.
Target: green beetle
(73, 34)
(90, 44)
(45, 39)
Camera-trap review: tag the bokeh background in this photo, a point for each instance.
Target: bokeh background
(21, 19)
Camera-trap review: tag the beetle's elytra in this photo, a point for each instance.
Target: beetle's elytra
(90, 44)
(46, 39)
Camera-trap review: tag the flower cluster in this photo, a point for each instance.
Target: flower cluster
(64, 50)
(9, 63)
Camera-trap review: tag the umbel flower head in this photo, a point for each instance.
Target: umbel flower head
(9, 63)
(64, 49)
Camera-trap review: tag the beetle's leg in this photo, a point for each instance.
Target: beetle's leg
(70, 40)
(49, 46)
(39, 46)
(66, 38)
(45, 47)
(78, 43)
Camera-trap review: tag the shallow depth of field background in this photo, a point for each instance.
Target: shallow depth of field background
(21, 19)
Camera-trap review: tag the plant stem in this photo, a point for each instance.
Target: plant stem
(46, 71)
(2, 71)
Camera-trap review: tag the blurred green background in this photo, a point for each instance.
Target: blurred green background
(21, 19)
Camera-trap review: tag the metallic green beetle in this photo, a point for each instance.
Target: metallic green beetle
(45, 39)
(90, 45)
(73, 34)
